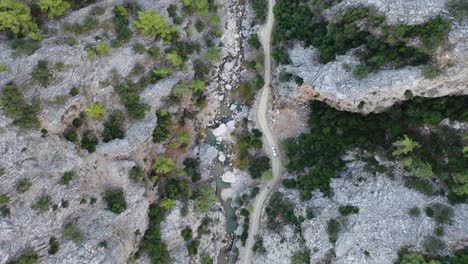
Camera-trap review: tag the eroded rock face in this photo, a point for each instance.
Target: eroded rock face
(334, 82)
(382, 226)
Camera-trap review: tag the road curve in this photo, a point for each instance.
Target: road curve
(269, 140)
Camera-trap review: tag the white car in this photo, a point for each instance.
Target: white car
(274, 152)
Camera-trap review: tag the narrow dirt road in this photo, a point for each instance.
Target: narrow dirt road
(269, 140)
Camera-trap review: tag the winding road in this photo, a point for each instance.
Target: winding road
(269, 141)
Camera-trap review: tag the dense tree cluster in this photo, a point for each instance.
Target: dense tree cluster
(163, 128)
(333, 132)
(115, 199)
(280, 211)
(15, 106)
(113, 127)
(16, 20)
(352, 29)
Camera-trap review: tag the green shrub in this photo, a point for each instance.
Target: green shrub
(2, 171)
(71, 135)
(258, 246)
(333, 228)
(186, 233)
(77, 122)
(139, 48)
(23, 185)
(95, 110)
(430, 72)
(154, 51)
(89, 23)
(121, 22)
(163, 165)
(280, 212)
(192, 247)
(347, 210)
(68, 177)
(258, 166)
(16, 20)
(43, 203)
(260, 8)
(199, 25)
(89, 141)
(115, 199)
(53, 246)
(360, 72)
(205, 199)
(29, 256)
(192, 169)
(25, 46)
(439, 231)
(301, 257)
(151, 23)
(206, 259)
(162, 131)
(113, 127)
(54, 8)
(458, 7)
(136, 173)
(131, 100)
(429, 211)
(423, 186)
(41, 73)
(152, 242)
(414, 212)
(434, 245)
(73, 233)
(213, 55)
(15, 107)
(3, 67)
(102, 48)
(443, 214)
(103, 244)
(4, 198)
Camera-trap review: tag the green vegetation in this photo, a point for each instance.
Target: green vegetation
(24, 46)
(29, 256)
(334, 132)
(95, 110)
(130, 98)
(301, 257)
(246, 91)
(441, 213)
(205, 198)
(174, 59)
(139, 48)
(346, 210)
(280, 211)
(89, 141)
(16, 20)
(23, 185)
(458, 7)
(102, 48)
(297, 21)
(54, 8)
(89, 23)
(115, 199)
(53, 246)
(151, 23)
(41, 73)
(260, 9)
(192, 247)
(191, 169)
(68, 177)
(14, 106)
(136, 173)
(245, 142)
(414, 212)
(121, 22)
(333, 228)
(4, 198)
(406, 257)
(258, 166)
(113, 127)
(434, 245)
(258, 245)
(162, 131)
(163, 165)
(254, 41)
(213, 55)
(71, 135)
(412, 258)
(103, 244)
(3, 67)
(43, 203)
(186, 233)
(152, 243)
(73, 233)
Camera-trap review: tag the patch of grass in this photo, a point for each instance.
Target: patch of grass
(68, 177)
(414, 212)
(23, 185)
(347, 210)
(43, 203)
(333, 228)
(73, 233)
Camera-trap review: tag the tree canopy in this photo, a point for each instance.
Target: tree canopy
(15, 18)
(54, 8)
(163, 164)
(151, 23)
